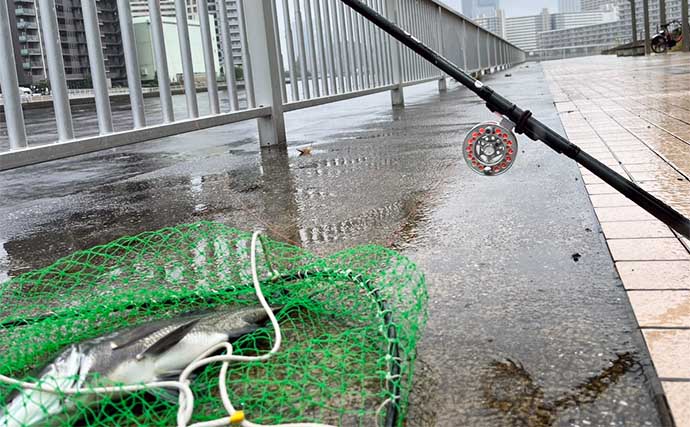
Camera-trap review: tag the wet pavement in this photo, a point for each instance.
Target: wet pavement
(42, 129)
(520, 333)
(636, 117)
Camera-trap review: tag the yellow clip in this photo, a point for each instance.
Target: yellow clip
(237, 418)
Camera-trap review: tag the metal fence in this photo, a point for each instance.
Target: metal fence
(295, 54)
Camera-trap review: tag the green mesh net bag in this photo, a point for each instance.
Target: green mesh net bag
(349, 322)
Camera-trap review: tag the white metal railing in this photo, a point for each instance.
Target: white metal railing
(295, 54)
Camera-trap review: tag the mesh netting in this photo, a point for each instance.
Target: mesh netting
(350, 324)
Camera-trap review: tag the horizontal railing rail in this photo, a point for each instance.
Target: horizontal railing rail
(260, 59)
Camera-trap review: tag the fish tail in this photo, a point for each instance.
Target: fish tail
(30, 406)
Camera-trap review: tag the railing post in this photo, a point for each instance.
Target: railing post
(247, 74)
(397, 95)
(10, 88)
(209, 60)
(442, 84)
(97, 66)
(686, 25)
(186, 56)
(228, 60)
(487, 48)
(463, 43)
(479, 50)
(261, 42)
(161, 60)
(647, 36)
(633, 10)
(56, 70)
(129, 48)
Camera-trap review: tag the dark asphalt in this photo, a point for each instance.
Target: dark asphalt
(519, 333)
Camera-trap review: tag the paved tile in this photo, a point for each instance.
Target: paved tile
(677, 395)
(655, 274)
(591, 179)
(628, 213)
(611, 200)
(650, 151)
(661, 308)
(662, 249)
(634, 229)
(601, 189)
(669, 350)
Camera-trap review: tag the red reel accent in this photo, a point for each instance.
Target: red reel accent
(489, 148)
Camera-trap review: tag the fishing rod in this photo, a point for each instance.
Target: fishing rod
(491, 148)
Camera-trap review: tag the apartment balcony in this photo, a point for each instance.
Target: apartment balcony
(21, 11)
(22, 25)
(30, 52)
(107, 18)
(31, 65)
(28, 39)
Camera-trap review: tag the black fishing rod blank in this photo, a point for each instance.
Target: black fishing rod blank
(487, 148)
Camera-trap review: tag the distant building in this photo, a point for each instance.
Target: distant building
(468, 8)
(522, 30)
(673, 11)
(147, 63)
(28, 44)
(562, 21)
(592, 39)
(495, 24)
(480, 8)
(26, 38)
(140, 9)
(579, 41)
(596, 5)
(569, 6)
(487, 7)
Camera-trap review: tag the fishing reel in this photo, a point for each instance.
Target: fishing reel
(490, 148)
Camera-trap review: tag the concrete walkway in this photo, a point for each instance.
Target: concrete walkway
(634, 115)
(521, 332)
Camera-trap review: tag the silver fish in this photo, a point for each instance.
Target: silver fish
(155, 351)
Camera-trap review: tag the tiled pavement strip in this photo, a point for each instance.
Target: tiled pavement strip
(633, 114)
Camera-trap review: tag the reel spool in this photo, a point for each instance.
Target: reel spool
(490, 148)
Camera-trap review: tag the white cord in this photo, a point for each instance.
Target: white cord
(186, 401)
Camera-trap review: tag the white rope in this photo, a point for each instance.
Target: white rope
(186, 402)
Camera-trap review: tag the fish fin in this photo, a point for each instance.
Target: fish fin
(133, 335)
(237, 333)
(169, 340)
(171, 395)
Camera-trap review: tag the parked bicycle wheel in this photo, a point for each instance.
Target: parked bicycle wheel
(659, 45)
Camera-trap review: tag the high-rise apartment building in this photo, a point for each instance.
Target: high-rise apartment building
(522, 30)
(468, 8)
(569, 6)
(595, 5)
(140, 8)
(495, 24)
(26, 38)
(487, 7)
(480, 8)
(28, 42)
